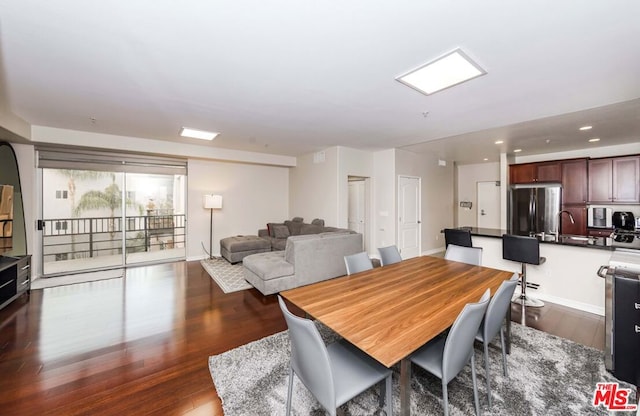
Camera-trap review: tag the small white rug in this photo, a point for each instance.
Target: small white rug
(230, 277)
(72, 279)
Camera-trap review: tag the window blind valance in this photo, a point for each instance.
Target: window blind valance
(109, 161)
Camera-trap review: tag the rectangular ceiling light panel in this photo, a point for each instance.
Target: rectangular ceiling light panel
(449, 70)
(197, 134)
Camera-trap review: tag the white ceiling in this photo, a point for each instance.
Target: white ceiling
(292, 77)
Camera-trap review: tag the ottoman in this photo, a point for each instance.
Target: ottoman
(234, 249)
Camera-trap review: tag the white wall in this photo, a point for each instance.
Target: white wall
(384, 198)
(468, 177)
(252, 196)
(437, 194)
(314, 188)
(351, 162)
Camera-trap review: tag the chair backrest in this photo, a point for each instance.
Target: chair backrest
(389, 255)
(358, 262)
(459, 344)
(470, 255)
(521, 249)
(309, 357)
(457, 237)
(497, 309)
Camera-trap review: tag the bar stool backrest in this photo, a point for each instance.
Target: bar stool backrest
(521, 249)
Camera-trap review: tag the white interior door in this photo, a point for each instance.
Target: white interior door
(488, 208)
(356, 218)
(409, 216)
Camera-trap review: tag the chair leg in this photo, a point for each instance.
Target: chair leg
(504, 355)
(383, 392)
(290, 391)
(389, 399)
(486, 366)
(475, 385)
(445, 399)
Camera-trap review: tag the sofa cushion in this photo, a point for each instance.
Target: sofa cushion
(294, 227)
(270, 265)
(271, 229)
(310, 229)
(280, 231)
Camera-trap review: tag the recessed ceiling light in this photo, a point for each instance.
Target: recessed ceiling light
(499, 141)
(485, 159)
(594, 139)
(197, 134)
(449, 70)
(517, 151)
(583, 128)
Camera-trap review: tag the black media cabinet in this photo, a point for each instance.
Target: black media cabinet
(15, 278)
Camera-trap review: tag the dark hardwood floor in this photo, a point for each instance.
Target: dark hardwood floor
(140, 345)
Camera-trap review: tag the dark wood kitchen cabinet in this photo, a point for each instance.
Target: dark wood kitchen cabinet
(574, 181)
(535, 172)
(614, 180)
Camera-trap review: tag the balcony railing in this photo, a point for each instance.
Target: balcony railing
(76, 238)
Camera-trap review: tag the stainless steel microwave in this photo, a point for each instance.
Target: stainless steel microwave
(599, 217)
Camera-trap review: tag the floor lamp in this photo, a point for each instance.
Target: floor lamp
(212, 202)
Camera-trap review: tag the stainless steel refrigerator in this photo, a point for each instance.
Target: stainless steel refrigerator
(533, 209)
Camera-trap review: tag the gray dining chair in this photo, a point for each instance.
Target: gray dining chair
(358, 263)
(492, 324)
(470, 255)
(446, 356)
(389, 255)
(334, 374)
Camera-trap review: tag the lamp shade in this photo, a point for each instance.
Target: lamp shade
(213, 201)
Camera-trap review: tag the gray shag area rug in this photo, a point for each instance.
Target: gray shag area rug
(548, 375)
(230, 277)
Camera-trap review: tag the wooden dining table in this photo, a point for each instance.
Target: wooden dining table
(391, 311)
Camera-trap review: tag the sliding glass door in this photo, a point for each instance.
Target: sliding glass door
(102, 219)
(155, 217)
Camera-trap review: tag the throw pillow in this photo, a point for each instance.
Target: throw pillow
(271, 227)
(280, 231)
(318, 221)
(297, 219)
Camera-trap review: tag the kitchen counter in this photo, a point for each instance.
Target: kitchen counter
(602, 243)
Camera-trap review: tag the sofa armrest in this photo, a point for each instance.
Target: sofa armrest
(263, 233)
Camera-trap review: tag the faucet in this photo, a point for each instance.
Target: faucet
(559, 214)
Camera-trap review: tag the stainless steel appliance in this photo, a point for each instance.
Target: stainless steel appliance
(534, 209)
(624, 220)
(599, 217)
(622, 314)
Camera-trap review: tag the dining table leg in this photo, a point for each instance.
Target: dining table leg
(405, 386)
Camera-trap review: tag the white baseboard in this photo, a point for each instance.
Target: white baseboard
(568, 303)
(433, 251)
(201, 257)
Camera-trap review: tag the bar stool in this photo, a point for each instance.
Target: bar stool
(525, 250)
(457, 236)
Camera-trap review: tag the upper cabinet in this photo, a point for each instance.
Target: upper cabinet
(574, 181)
(535, 172)
(614, 180)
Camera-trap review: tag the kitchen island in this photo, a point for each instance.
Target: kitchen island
(569, 275)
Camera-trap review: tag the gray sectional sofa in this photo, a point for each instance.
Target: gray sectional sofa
(306, 259)
(278, 233)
